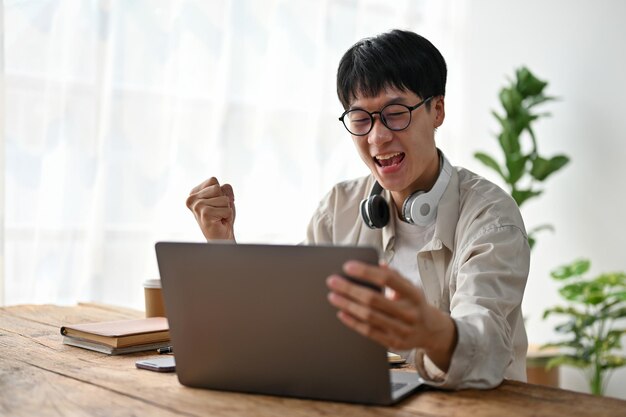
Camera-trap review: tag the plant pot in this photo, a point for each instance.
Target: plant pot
(536, 361)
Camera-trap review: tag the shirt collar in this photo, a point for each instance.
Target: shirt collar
(389, 231)
(448, 213)
(445, 223)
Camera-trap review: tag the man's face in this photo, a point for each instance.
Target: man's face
(402, 161)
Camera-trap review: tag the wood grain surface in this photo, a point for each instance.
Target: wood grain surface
(41, 376)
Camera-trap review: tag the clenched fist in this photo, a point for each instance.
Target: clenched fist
(213, 205)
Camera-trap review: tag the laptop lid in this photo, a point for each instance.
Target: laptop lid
(255, 318)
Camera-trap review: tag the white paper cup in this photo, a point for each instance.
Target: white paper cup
(154, 298)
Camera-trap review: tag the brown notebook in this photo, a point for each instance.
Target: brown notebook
(122, 333)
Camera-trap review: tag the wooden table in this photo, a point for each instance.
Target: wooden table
(41, 376)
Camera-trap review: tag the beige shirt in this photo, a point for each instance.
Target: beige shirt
(475, 268)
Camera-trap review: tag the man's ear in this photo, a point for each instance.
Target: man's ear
(440, 111)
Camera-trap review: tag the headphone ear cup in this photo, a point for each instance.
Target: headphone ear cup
(408, 206)
(421, 207)
(375, 211)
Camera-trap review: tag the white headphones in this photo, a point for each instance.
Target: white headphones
(419, 208)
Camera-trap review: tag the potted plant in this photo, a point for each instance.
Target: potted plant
(594, 307)
(524, 168)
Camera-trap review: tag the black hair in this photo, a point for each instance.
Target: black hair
(398, 59)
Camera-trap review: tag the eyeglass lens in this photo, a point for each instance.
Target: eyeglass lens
(393, 116)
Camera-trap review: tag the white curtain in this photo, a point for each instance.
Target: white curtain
(114, 110)
(1, 153)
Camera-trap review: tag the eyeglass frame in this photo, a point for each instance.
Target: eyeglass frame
(382, 119)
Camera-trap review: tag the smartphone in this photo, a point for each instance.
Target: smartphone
(367, 284)
(162, 364)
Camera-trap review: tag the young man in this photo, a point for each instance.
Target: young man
(455, 250)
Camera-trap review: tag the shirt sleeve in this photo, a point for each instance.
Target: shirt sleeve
(319, 231)
(485, 304)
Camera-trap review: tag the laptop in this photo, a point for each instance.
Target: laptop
(256, 319)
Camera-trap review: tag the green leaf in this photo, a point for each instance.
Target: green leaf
(573, 292)
(613, 361)
(586, 321)
(573, 325)
(610, 303)
(515, 163)
(574, 269)
(615, 279)
(613, 339)
(566, 327)
(538, 99)
(587, 292)
(594, 298)
(580, 266)
(540, 168)
(520, 196)
(521, 121)
(559, 161)
(569, 360)
(562, 272)
(572, 311)
(620, 295)
(528, 84)
(573, 344)
(489, 162)
(509, 142)
(511, 100)
(615, 314)
(531, 132)
(543, 168)
(502, 120)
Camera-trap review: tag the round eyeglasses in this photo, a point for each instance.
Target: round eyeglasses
(394, 116)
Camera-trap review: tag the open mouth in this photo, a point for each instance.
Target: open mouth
(387, 160)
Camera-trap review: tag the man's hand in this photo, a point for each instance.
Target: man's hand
(213, 205)
(404, 320)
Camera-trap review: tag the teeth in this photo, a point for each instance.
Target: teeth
(386, 156)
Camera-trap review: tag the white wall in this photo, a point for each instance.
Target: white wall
(578, 46)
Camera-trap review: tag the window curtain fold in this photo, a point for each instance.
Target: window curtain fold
(115, 110)
(2, 300)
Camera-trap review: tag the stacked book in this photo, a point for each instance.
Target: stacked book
(119, 337)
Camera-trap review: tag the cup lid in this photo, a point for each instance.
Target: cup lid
(152, 283)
